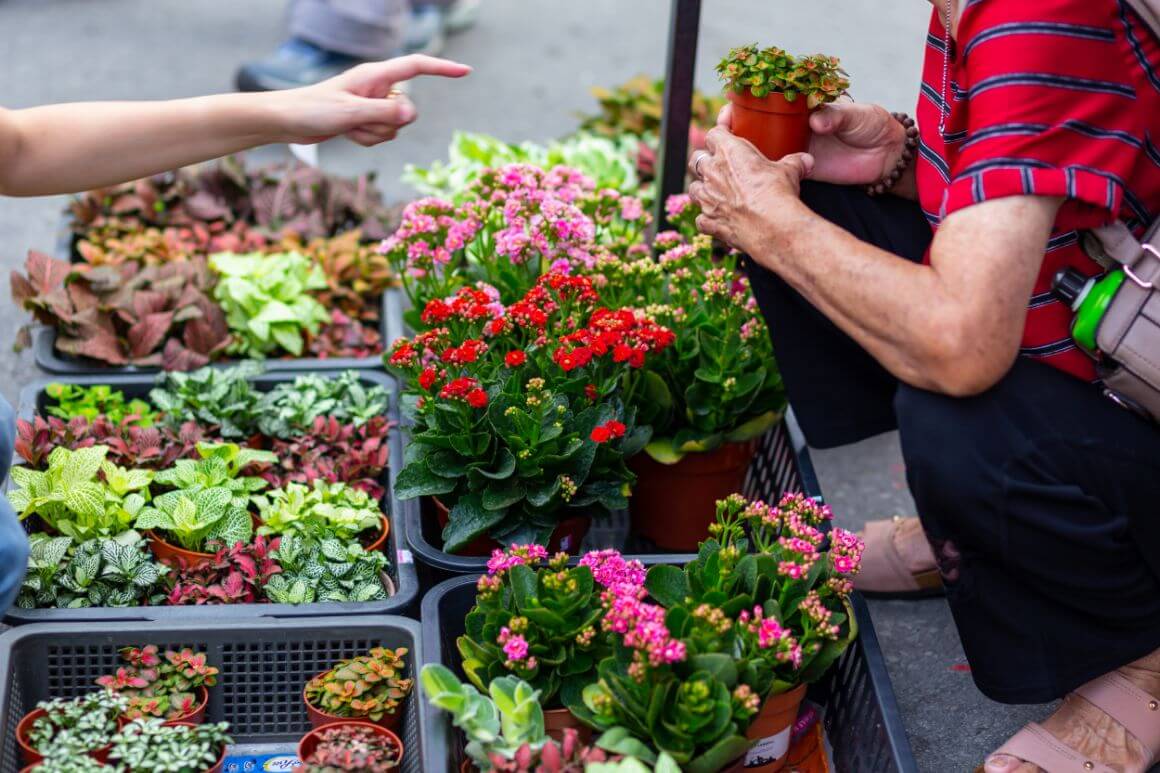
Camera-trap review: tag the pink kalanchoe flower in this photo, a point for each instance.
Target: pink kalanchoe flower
(631, 208)
(516, 648)
(676, 205)
(610, 570)
(515, 555)
(667, 239)
(680, 252)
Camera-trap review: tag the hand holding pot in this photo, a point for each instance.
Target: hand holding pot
(742, 193)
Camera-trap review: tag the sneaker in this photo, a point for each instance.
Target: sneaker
(461, 15)
(296, 63)
(425, 31)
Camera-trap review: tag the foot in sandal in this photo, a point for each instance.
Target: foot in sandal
(898, 562)
(1110, 724)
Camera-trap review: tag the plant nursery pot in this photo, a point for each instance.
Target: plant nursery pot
(309, 741)
(770, 731)
(31, 757)
(556, 721)
(674, 504)
(319, 718)
(170, 554)
(217, 767)
(195, 717)
(774, 126)
(568, 535)
(381, 538)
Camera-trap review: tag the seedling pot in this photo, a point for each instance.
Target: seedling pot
(674, 504)
(775, 126)
(31, 756)
(197, 716)
(309, 741)
(556, 721)
(172, 555)
(319, 718)
(770, 731)
(568, 535)
(217, 768)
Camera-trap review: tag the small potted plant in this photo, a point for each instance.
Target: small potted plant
(769, 589)
(151, 746)
(518, 423)
(322, 510)
(64, 762)
(360, 747)
(370, 687)
(173, 687)
(538, 619)
(773, 93)
(208, 502)
(505, 728)
(76, 726)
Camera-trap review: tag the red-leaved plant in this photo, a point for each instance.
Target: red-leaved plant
(154, 447)
(335, 453)
(156, 685)
(233, 576)
(345, 337)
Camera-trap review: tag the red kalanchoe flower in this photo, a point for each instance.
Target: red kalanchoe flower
(458, 389)
(608, 431)
(477, 398)
(404, 355)
(590, 392)
(516, 358)
(428, 378)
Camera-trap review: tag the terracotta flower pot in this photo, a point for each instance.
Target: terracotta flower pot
(556, 721)
(381, 538)
(674, 504)
(319, 718)
(567, 536)
(309, 741)
(31, 756)
(770, 731)
(171, 555)
(217, 767)
(775, 126)
(197, 715)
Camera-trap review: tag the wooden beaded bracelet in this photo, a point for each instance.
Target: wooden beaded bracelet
(909, 146)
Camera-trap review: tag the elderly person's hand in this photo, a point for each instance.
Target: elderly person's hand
(744, 197)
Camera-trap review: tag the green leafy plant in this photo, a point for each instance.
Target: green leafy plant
(501, 723)
(718, 383)
(267, 301)
(76, 726)
(518, 419)
(290, 409)
(321, 510)
(102, 572)
(210, 497)
(353, 748)
(65, 762)
(537, 621)
(150, 746)
(158, 684)
(636, 106)
(609, 161)
(368, 686)
(217, 397)
(325, 570)
(819, 78)
(71, 498)
(74, 400)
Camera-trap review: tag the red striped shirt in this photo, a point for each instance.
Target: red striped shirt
(1049, 98)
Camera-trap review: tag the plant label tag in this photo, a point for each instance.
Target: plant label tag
(257, 758)
(405, 557)
(768, 750)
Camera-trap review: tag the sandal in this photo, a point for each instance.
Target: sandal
(886, 572)
(1113, 694)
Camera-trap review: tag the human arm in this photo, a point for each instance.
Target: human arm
(952, 326)
(72, 147)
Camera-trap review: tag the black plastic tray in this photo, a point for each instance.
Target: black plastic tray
(781, 464)
(264, 665)
(402, 570)
(862, 720)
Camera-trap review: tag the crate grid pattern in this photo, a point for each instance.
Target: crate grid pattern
(264, 666)
(401, 574)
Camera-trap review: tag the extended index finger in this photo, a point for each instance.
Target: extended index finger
(407, 67)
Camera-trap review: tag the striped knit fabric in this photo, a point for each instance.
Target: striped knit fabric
(1050, 98)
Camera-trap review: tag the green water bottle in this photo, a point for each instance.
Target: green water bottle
(1089, 298)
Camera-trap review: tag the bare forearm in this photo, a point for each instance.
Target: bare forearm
(63, 148)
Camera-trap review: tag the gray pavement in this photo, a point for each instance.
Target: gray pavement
(534, 62)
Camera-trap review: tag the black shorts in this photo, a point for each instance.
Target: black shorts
(1040, 496)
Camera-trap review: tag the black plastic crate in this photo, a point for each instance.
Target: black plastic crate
(264, 666)
(401, 569)
(781, 464)
(862, 720)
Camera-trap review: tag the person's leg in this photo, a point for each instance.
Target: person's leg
(13, 540)
(839, 393)
(1039, 497)
(360, 29)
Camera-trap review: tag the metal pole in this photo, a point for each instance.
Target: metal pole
(684, 25)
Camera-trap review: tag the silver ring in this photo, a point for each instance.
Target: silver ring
(697, 164)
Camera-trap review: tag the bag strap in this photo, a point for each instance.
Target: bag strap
(1149, 11)
(1139, 257)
